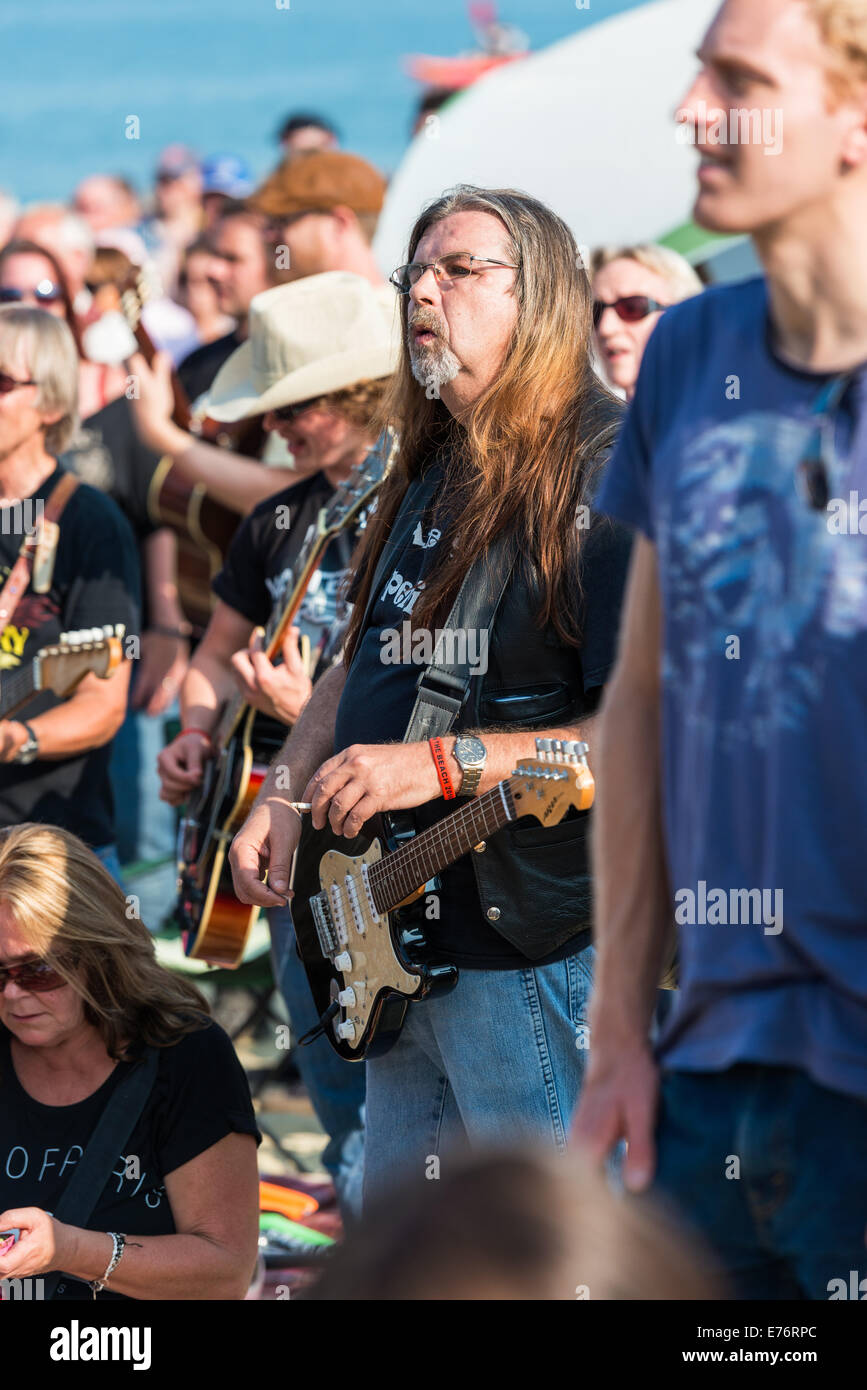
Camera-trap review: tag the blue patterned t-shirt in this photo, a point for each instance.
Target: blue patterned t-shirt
(764, 671)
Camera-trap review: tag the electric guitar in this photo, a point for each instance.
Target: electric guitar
(362, 967)
(61, 667)
(215, 925)
(203, 526)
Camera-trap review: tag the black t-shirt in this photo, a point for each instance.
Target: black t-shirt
(95, 584)
(379, 696)
(258, 567)
(200, 1094)
(197, 371)
(107, 453)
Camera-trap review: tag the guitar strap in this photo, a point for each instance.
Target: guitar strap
(19, 575)
(105, 1146)
(444, 685)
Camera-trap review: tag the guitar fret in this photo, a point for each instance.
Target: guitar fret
(408, 868)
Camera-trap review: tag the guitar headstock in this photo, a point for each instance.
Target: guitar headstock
(142, 285)
(77, 654)
(557, 778)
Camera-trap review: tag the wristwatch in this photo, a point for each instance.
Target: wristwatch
(471, 755)
(29, 750)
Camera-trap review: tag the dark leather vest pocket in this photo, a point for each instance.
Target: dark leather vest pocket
(540, 704)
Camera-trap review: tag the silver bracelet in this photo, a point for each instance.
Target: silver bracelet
(119, 1243)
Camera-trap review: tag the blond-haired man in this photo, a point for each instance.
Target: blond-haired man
(730, 794)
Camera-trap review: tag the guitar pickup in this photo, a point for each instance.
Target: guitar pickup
(338, 915)
(355, 904)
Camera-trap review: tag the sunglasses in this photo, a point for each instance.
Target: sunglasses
(8, 383)
(288, 413)
(631, 309)
(46, 292)
(35, 975)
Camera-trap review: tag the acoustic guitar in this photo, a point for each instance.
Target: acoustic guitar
(214, 924)
(204, 527)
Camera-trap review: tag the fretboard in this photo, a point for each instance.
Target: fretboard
(16, 687)
(405, 870)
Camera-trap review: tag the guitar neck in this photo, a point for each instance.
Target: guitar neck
(400, 874)
(16, 688)
(302, 572)
(181, 413)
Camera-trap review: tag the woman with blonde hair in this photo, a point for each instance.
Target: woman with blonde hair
(632, 285)
(84, 1008)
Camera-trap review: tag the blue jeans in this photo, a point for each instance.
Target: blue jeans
(771, 1168)
(107, 855)
(145, 825)
(335, 1087)
(498, 1061)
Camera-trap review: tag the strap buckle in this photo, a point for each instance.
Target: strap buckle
(442, 689)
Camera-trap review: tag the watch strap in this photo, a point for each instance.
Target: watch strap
(31, 748)
(472, 776)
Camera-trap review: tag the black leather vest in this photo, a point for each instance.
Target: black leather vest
(533, 881)
(535, 877)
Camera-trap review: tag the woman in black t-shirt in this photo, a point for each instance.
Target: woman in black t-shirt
(81, 995)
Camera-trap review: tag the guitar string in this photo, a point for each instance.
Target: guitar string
(450, 837)
(356, 489)
(398, 866)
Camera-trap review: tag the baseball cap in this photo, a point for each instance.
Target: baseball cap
(319, 181)
(228, 174)
(175, 161)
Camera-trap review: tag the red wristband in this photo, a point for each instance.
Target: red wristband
(439, 757)
(201, 732)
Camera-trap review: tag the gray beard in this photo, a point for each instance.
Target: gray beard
(434, 367)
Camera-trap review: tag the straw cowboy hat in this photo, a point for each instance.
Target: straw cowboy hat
(308, 338)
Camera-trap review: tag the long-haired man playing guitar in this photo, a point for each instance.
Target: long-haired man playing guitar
(498, 408)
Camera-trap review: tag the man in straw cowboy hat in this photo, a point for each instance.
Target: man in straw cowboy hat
(319, 213)
(318, 357)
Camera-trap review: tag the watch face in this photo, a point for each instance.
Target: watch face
(470, 750)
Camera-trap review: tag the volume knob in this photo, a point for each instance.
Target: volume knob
(343, 961)
(346, 1030)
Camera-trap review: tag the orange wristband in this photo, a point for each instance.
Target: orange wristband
(439, 757)
(201, 732)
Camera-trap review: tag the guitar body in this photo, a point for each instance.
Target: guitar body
(214, 923)
(203, 526)
(363, 945)
(376, 962)
(204, 529)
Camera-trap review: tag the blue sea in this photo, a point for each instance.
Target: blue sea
(220, 74)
